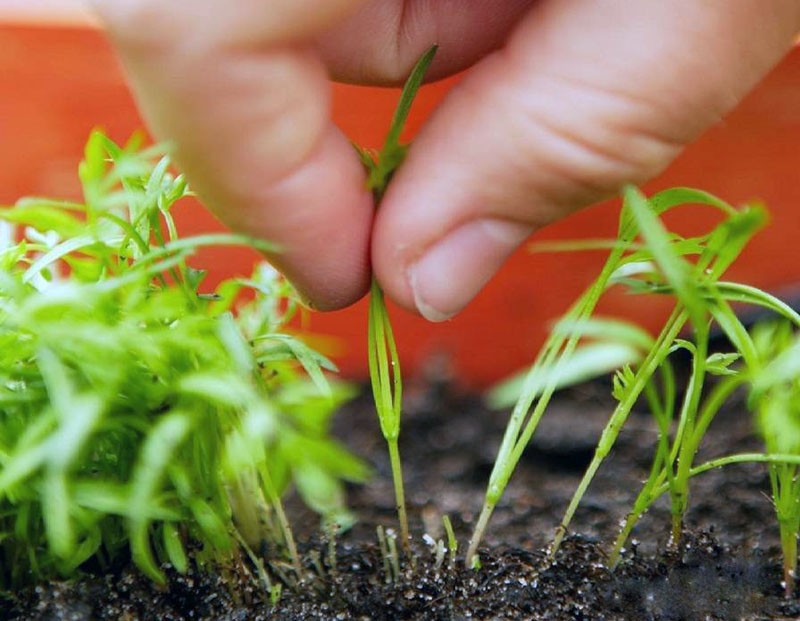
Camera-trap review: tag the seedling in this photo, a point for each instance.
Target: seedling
(776, 397)
(553, 360)
(138, 411)
(384, 364)
(770, 370)
(659, 265)
(387, 542)
(437, 548)
(452, 542)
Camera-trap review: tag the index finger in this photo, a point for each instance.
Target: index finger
(244, 100)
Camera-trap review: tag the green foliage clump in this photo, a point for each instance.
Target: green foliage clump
(136, 411)
(648, 259)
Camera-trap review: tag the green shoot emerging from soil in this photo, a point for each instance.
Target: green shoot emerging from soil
(647, 259)
(137, 412)
(775, 396)
(384, 365)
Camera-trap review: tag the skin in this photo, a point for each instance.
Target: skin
(563, 103)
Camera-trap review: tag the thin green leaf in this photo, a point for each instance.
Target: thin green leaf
(156, 453)
(586, 362)
(409, 93)
(611, 330)
(675, 270)
(174, 547)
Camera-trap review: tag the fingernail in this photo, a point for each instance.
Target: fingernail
(454, 269)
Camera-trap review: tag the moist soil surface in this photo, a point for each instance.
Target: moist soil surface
(727, 565)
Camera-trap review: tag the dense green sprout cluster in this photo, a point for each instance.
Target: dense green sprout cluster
(137, 412)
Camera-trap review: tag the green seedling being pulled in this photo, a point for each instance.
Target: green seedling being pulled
(384, 364)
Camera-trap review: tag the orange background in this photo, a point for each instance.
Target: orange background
(57, 83)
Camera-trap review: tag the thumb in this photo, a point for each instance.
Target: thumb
(584, 98)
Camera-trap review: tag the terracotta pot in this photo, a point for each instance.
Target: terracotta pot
(58, 82)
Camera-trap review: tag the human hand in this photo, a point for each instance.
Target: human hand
(579, 98)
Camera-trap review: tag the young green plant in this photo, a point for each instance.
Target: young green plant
(552, 365)
(138, 412)
(694, 286)
(767, 360)
(658, 255)
(673, 464)
(770, 353)
(384, 364)
(775, 397)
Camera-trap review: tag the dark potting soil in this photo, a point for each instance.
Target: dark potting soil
(726, 567)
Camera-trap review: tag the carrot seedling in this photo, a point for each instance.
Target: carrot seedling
(775, 397)
(137, 410)
(767, 360)
(384, 364)
(656, 264)
(770, 369)
(694, 286)
(553, 362)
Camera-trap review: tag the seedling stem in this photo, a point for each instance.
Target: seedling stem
(618, 418)
(384, 363)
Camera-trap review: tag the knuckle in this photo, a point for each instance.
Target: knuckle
(558, 145)
(592, 140)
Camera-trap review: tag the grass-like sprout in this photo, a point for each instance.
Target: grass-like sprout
(384, 364)
(138, 412)
(655, 264)
(767, 361)
(775, 397)
(452, 542)
(769, 367)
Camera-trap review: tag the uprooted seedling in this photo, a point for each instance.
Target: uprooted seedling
(384, 363)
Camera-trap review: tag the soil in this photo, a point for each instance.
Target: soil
(726, 567)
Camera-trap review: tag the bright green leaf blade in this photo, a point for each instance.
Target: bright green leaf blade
(55, 510)
(784, 367)
(156, 453)
(675, 270)
(212, 525)
(45, 215)
(412, 84)
(609, 330)
(671, 198)
(587, 362)
(720, 363)
(174, 548)
(737, 292)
